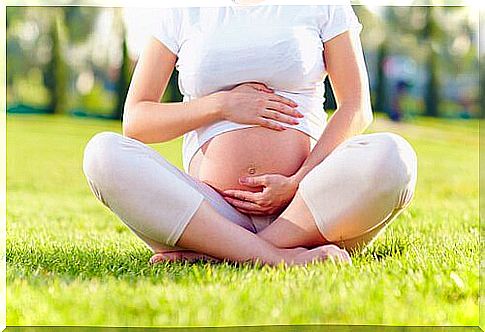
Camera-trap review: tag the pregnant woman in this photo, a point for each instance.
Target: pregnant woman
(266, 176)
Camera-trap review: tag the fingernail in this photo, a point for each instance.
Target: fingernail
(300, 115)
(243, 180)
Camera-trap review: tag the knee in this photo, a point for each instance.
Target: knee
(100, 155)
(395, 166)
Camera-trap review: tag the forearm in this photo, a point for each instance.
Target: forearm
(153, 122)
(345, 123)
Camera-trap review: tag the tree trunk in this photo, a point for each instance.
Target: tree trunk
(432, 95)
(123, 82)
(56, 75)
(381, 95)
(481, 91)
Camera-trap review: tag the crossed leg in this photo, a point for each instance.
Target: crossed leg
(351, 196)
(168, 209)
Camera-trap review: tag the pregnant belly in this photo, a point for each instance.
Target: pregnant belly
(221, 161)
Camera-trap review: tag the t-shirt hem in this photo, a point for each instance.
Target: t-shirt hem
(337, 32)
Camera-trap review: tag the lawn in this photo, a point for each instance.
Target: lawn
(71, 262)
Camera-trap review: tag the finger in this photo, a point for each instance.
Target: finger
(260, 87)
(271, 124)
(282, 108)
(243, 195)
(254, 181)
(245, 205)
(280, 117)
(281, 99)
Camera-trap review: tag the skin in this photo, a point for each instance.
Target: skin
(211, 235)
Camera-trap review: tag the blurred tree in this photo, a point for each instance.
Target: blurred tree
(172, 92)
(80, 22)
(13, 59)
(380, 92)
(124, 76)
(482, 87)
(14, 14)
(431, 34)
(439, 42)
(22, 45)
(55, 72)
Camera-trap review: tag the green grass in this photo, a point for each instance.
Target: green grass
(71, 262)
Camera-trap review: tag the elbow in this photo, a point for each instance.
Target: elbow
(129, 131)
(129, 125)
(367, 116)
(361, 116)
(359, 109)
(136, 126)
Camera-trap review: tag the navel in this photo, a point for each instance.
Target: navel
(252, 169)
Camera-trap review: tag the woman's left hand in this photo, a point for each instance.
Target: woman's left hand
(277, 192)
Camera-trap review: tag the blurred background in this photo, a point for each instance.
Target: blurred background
(72, 262)
(78, 60)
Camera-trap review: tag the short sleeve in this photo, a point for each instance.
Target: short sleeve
(336, 20)
(167, 28)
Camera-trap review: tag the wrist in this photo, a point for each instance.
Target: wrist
(215, 105)
(296, 178)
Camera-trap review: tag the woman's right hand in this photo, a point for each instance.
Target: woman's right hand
(254, 103)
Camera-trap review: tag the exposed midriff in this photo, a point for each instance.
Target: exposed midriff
(222, 160)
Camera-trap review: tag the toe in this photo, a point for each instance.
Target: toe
(165, 257)
(157, 258)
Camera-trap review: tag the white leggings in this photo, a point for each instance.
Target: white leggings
(353, 194)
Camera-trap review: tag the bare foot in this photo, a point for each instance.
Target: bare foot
(322, 253)
(179, 255)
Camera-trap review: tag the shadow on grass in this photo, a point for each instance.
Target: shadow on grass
(391, 247)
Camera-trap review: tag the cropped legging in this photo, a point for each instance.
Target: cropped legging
(352, 195)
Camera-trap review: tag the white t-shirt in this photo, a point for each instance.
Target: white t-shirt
(279, 45)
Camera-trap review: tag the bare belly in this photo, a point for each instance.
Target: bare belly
(221, 161)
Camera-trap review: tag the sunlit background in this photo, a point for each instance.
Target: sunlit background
(79, 60)
(72, 262)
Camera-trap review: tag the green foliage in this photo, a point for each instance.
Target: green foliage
(482, 87)
(29, 90)
(72, 262)
(172, 93)
(56, 71)
(432, 94)
(380, 94)
(123, 81)
(80, 22)
(98, 100)
(442, 42)
(439, 40)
